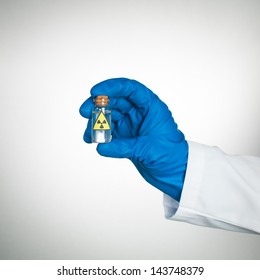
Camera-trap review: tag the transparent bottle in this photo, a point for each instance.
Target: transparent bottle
(101, 120)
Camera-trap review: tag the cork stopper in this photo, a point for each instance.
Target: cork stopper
(101, 100)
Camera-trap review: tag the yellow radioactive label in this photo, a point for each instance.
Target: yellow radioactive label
(101, 123)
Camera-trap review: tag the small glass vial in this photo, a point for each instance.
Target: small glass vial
(101, 120)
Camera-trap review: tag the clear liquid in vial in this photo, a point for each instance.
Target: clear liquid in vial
(101, 125)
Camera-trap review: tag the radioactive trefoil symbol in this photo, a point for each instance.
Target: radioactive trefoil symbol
(101, 122)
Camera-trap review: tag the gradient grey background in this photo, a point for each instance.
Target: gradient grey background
(58, 198)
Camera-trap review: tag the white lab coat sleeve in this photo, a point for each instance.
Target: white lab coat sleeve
(220, 191)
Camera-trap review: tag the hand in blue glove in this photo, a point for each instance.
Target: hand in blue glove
(143, 131)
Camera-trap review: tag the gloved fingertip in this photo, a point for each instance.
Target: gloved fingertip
(111, 149)
(87, 139)
(117, 148)
(87, 136)
(104, 149)
(86, 107)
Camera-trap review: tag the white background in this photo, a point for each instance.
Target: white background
(58, 198)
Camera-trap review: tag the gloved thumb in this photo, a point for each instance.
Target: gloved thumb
(118, 148)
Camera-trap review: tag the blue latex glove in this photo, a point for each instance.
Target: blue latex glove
(143, 131)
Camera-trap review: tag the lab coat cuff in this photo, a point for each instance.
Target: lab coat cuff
(197, 204)
(193, 178)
